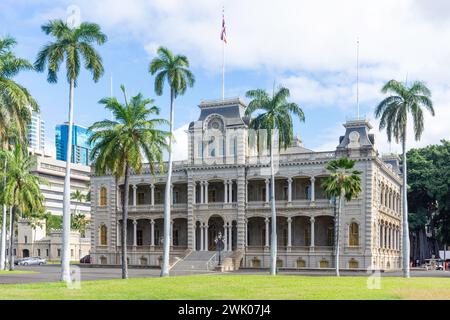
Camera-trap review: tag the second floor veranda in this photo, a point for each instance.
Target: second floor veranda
(223, 193)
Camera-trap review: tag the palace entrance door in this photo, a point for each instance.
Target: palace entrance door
(215, 225)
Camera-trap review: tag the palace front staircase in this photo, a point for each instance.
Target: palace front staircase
(199, 262)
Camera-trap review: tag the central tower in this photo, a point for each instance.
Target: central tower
(219, 136)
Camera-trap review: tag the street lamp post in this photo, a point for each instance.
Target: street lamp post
(219, 245)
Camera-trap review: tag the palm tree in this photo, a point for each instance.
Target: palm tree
(274, 113)
(175, 70)
(119, 146)
(71, 45)
(78, 197)
(22, 190)
(15, 105)
(79, 221)
(15, 100)
(393, 112)
(344, 182)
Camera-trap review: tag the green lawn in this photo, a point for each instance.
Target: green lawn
(233, 287)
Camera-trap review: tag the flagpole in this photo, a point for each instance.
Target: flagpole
(223, 71)
(223, 38)
(357, 76)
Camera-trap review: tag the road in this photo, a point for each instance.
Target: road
(51, 273)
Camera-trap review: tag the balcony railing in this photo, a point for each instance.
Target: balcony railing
(149, 248)
(293, 203)
(309, 156)
(215, 206)
(293, 248)
(156, 207)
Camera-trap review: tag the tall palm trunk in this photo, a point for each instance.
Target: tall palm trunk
(274, 243)
(125, 221)
(65, 263)
(12, 220)
(3, 240)
(3, 236)
(116, 207)
(405, 245)
(167, 195)
(338, 227)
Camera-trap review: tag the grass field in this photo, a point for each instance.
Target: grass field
(234, 287)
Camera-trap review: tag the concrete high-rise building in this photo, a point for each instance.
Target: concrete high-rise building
(80, 143)
(36, 132)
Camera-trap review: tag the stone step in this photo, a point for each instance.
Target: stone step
(198, 261)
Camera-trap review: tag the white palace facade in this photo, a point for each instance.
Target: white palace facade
(223, 186)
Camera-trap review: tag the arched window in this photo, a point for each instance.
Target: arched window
(103, 235)
(354, 234)
(103, 196)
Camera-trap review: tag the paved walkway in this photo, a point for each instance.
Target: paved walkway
(51, 273)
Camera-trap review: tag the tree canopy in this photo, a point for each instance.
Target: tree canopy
(429, 188)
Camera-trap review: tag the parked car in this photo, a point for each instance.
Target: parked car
(31, 261)
(86, 259)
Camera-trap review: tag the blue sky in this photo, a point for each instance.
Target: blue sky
(308, 47)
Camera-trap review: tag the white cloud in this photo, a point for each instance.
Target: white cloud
(310, 45)
(180, 146)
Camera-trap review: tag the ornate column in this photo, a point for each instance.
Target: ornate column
(392, 237)
(206, 236)
(395, 239)
(267, 190)
(289, 189)
(225, 191)
(194, 193)
(289, 240)
(152, 191)
(202, 191)
(312, 220)
(134, 195)
(171, 233)
(313, 189)
(118, 233)
(225, 236)
(267, 232)
(230, 237)
(246, 233)
(194, 237)
(134, 233)
(206, 192)
(152, 233)
(202, 229)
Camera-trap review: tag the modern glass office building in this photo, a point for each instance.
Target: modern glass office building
(80, 143)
